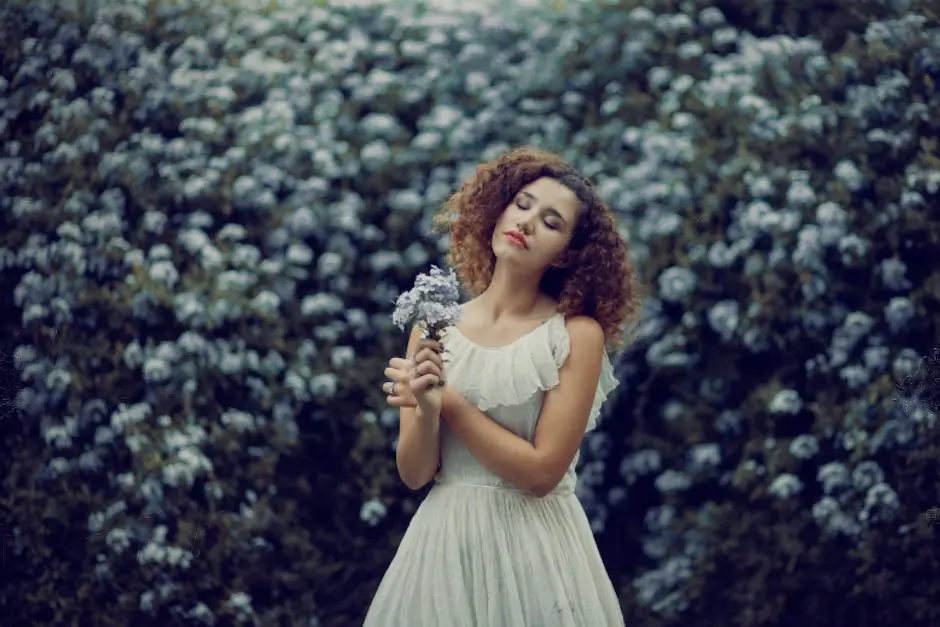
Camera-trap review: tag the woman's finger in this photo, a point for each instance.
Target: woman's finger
(431, 344)
(400, 364)
(423, 382)
(394, 374)
(429, 355)
(428, 367)
(400, 401)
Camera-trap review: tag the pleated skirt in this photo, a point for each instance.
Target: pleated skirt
(478, 556)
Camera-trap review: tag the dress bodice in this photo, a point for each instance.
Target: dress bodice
(509, 383)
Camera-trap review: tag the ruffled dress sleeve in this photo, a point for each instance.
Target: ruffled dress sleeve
(560, 343)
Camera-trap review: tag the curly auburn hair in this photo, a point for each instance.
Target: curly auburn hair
(597, 280)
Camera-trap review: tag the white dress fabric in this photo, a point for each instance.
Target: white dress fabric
(480, 552)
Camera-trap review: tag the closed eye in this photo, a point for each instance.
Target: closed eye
(547, 223)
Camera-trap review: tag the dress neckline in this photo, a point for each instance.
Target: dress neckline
(510, 344)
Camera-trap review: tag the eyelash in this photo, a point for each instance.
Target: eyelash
(547, 223)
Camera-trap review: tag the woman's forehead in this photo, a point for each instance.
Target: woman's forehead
(549, 192)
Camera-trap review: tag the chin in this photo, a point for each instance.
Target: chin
(506, 250)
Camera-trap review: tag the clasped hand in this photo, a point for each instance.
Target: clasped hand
(417, 382)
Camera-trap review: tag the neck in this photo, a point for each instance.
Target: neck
(512, 292)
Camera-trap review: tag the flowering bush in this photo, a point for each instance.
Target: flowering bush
(208, 209)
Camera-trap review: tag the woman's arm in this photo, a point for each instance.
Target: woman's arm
(419, 447)
(537, 466)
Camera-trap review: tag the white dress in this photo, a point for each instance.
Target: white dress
(480, 552)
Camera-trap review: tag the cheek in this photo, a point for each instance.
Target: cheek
(561, 246)
(552, 248)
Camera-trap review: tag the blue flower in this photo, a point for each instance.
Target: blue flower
(832, 519)
(786, 486)
(800, 194)
(724, 318)
(667, 352)
(676, 283)
(406, 308)
(640, 463)
(786, 402)
(703, 457)
(433, 302)
(898, 313)
(893, 274)
(835, 478)
(881, 504)
(372, 512)
(867, 474)
(672, 481)
(804, 446)
(855, 376)
(849, 174)
(729, 422)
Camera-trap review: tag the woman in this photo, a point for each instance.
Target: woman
(501, 540)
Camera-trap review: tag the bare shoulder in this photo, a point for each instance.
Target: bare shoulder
(468, 307)
(586, 331)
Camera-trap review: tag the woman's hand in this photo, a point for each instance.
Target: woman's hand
(398, 390)
(417, 382)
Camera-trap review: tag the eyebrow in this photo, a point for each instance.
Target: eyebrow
(550, 210)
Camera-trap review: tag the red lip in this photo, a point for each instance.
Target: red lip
(517, 237)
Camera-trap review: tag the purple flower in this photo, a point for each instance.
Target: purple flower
(433, 302)
(437, 286)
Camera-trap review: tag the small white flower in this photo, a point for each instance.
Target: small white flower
(898, 313)
(786, 402)
(804, 446)
(672, 481)
(849, 174)
(834, 477)
(342, 356)
(372, 512)
(786, 486)
(324, 385)
(676, 283)
(724, 318)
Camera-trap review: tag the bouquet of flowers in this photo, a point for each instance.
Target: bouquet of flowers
(433, 303)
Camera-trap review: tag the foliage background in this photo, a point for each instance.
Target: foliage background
(207, 210)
